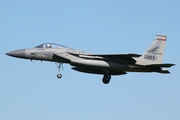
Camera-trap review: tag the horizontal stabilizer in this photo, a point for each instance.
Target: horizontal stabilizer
(164, 72)
(161, 65)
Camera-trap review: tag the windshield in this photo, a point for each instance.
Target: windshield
(50, 45)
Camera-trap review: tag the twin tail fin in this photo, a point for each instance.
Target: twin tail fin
(155, 52)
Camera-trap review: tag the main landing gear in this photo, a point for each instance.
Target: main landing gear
(59, 65)
(106, 78)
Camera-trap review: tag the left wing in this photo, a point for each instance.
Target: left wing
(113, 57)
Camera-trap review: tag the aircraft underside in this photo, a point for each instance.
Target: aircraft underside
(108, 72)
(121, 71)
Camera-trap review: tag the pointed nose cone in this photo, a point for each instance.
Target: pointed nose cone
(17, 53)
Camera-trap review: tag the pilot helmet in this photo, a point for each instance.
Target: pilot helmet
(48, 45)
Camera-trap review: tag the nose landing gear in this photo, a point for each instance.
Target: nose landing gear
(59, 65)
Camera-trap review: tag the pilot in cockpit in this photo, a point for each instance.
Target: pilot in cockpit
(48, 46)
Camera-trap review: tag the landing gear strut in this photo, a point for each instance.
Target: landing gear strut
(59, 65)
(106, 78)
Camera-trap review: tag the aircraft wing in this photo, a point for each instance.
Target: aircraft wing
(128, 58)
(116, 55)
(61, 57)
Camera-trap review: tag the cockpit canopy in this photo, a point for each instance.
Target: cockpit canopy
(50, 45)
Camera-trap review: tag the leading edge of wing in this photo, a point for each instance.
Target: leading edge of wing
(61, 57)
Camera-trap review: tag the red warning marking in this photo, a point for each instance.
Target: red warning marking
(161, 39)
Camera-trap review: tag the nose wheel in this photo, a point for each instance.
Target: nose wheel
(59, 66)
(59, 75)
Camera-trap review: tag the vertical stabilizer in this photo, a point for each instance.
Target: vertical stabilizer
(155, 53)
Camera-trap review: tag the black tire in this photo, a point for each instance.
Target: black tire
(59, 76)
(106, 78)
(105, 81)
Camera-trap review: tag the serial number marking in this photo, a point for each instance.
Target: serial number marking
(150, 57)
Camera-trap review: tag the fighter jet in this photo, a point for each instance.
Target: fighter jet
(105, 64)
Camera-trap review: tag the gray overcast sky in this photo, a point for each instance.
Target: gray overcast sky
(31, 91)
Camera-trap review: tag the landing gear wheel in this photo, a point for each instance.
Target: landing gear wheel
(59, 76)
(59, 65)
(105, 81)
(106, 78)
